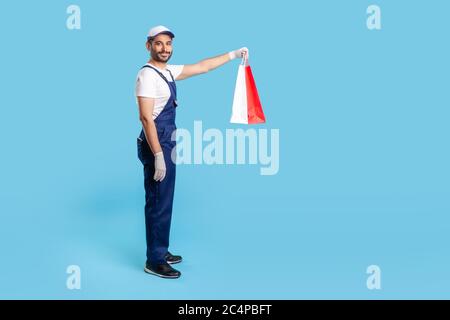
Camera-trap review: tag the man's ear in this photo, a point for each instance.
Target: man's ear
(148, 45)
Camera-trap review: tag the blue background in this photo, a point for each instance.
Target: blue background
(364, 158)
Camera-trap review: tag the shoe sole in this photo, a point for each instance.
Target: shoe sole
(159, 275)
(175, 262)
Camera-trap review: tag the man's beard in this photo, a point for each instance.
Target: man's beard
(156, 57)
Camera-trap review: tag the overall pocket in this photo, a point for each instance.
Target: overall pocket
(143, 151)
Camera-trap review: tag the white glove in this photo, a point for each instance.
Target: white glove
(160, 167)
(239, 53)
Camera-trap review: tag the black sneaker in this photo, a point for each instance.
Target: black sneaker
(162, 270)
(171, 259)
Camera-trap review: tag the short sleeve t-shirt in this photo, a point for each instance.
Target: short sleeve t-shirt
(150, 84)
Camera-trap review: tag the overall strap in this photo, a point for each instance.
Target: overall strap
(174, 86)
(171, 75)
(162, 76)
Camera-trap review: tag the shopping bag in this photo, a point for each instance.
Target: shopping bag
(239, 111)
(247, 108)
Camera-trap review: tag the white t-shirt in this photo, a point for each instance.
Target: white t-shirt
(149, 84)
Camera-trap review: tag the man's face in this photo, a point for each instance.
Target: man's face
(161, 48)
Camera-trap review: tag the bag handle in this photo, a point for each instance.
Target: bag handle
(244, 60)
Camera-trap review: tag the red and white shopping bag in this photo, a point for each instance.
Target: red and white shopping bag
(247, 107)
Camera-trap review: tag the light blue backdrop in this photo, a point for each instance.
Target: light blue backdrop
(364, 157)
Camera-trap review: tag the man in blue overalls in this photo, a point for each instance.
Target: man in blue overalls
(156, 94)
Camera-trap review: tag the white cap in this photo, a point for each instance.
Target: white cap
(158, 30)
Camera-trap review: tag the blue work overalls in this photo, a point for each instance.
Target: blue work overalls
(159, 195)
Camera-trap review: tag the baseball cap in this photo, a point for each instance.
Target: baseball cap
(159, 30)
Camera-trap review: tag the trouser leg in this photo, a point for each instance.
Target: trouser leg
(158, 209)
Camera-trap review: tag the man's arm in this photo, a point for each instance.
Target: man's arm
(207, 65)
(146, 106)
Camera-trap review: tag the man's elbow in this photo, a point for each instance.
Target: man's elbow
(146, 120)
(202, 68)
